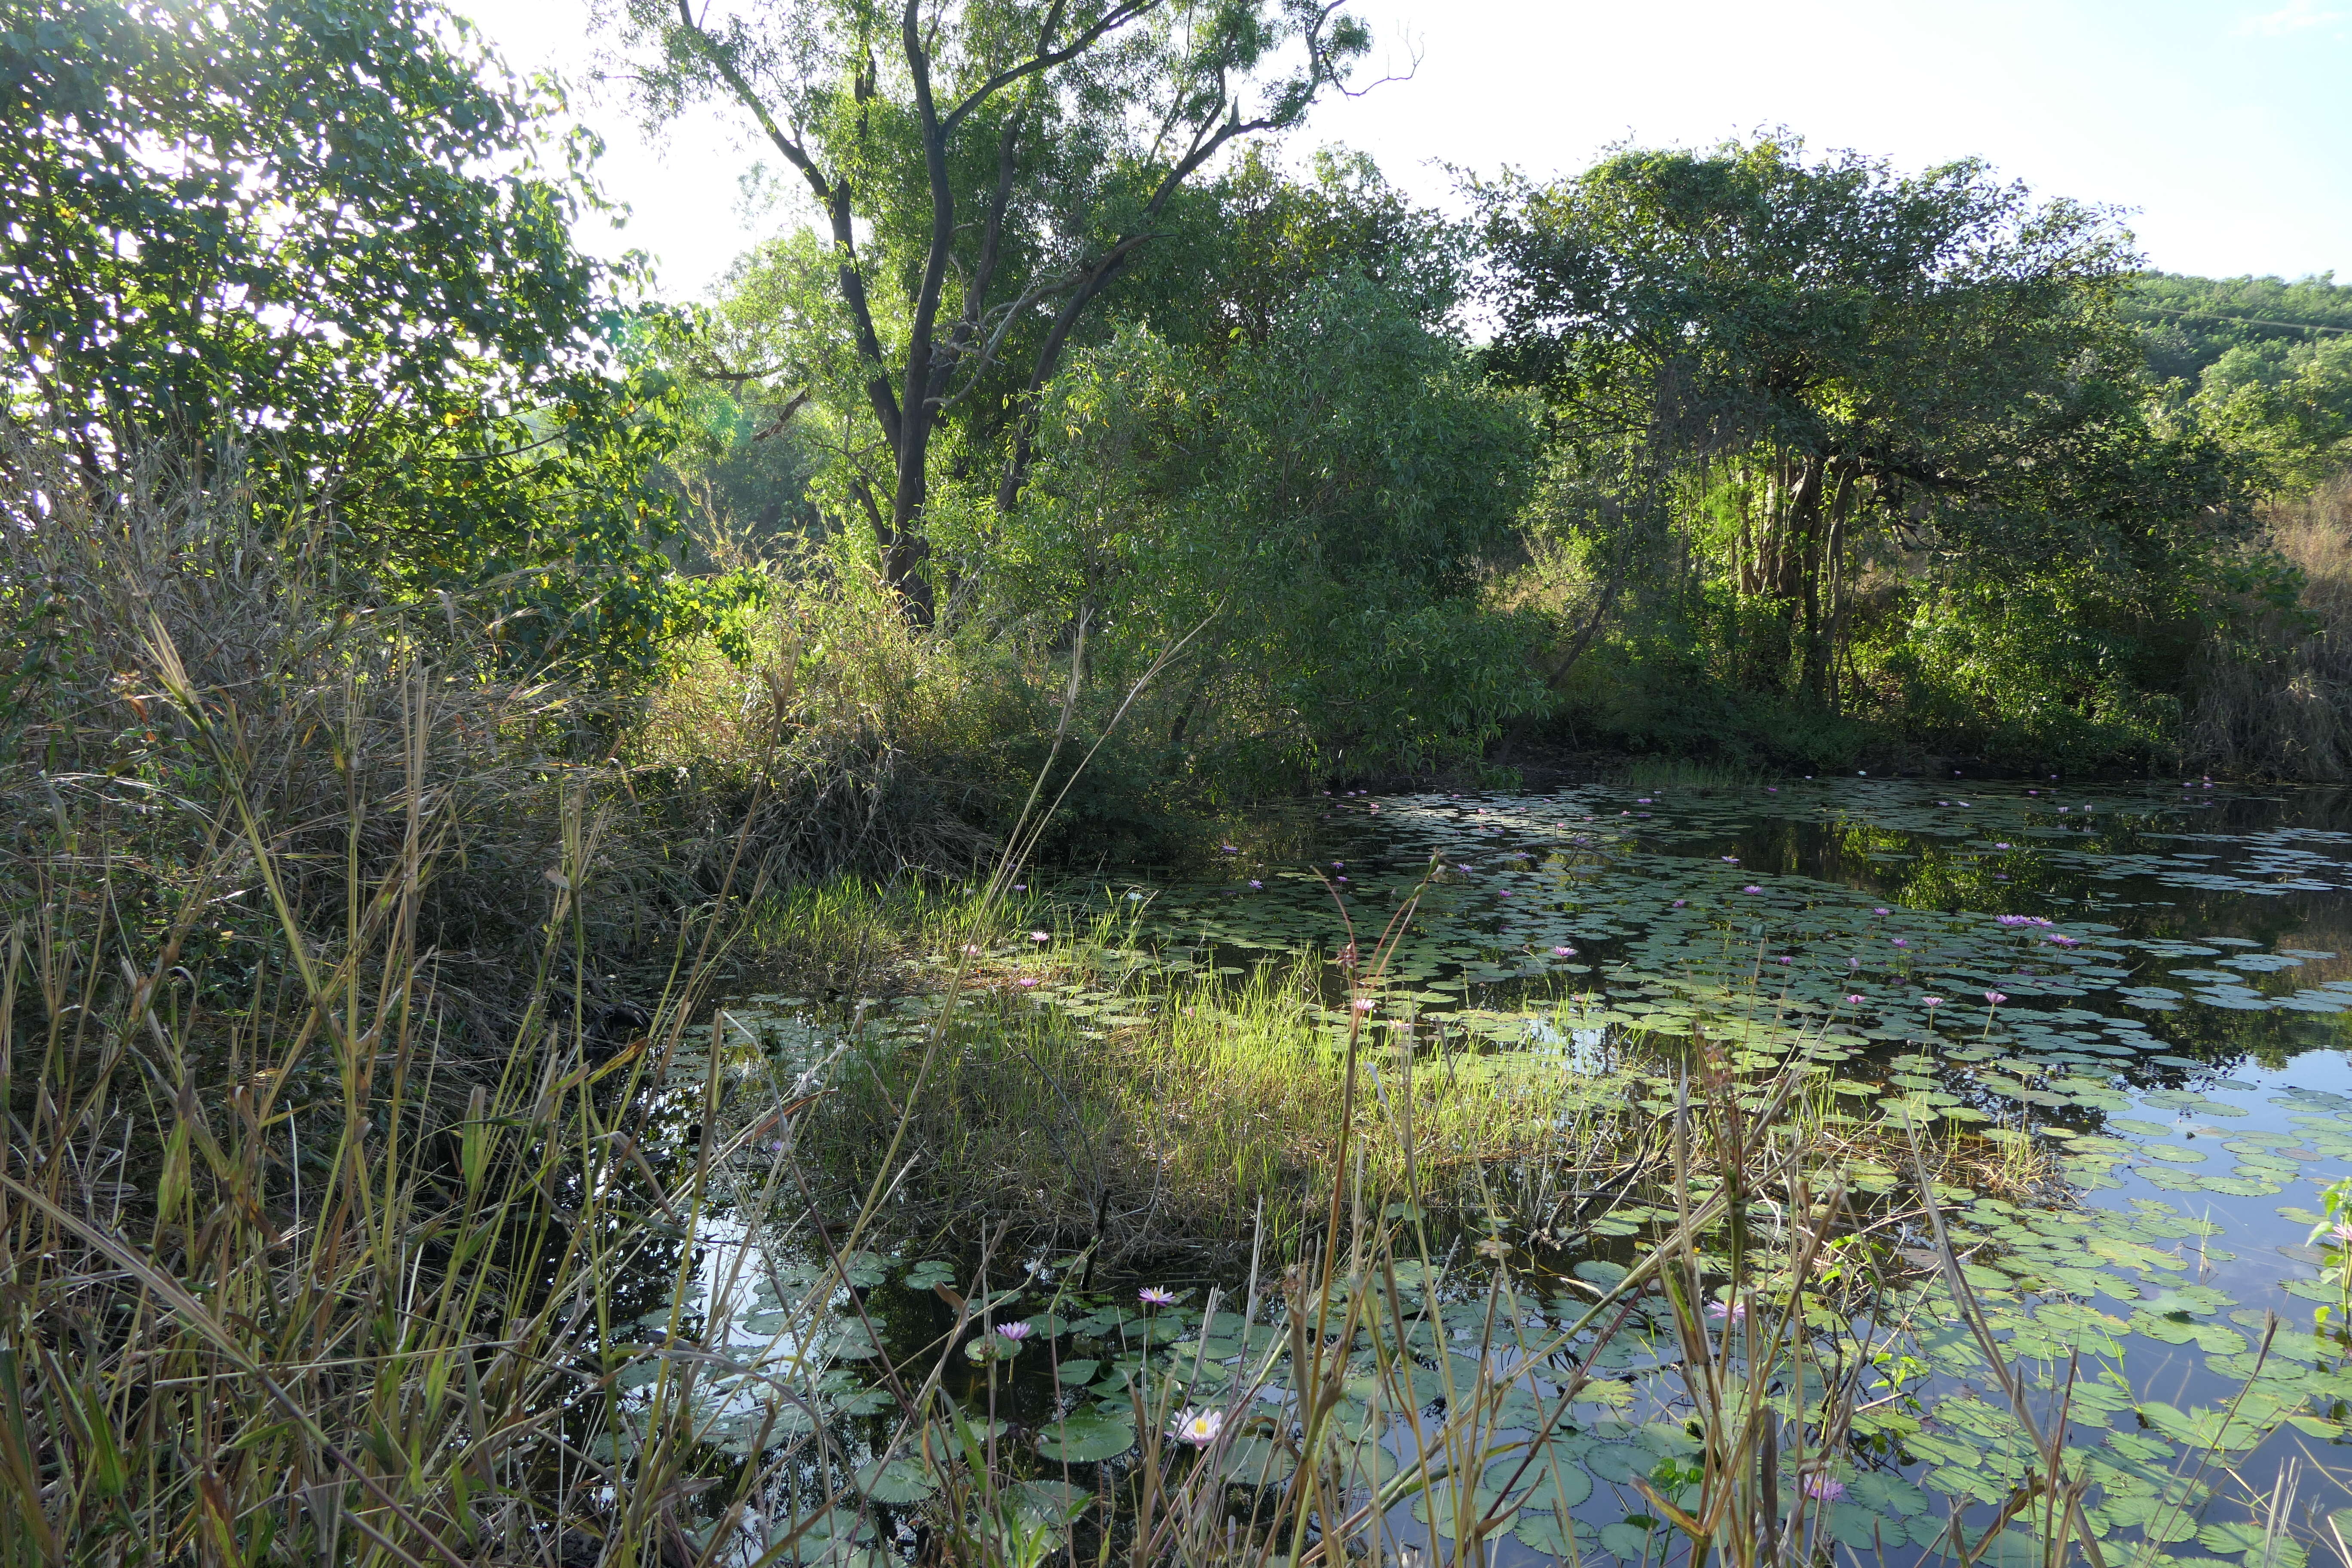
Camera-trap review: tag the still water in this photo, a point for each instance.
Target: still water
(2143, 988)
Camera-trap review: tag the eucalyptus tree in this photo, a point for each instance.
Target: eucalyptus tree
(981, 172)
(1824, 352)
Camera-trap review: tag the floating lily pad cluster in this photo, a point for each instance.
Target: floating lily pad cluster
(2005, 964)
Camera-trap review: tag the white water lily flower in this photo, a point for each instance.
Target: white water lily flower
(1199, 1428)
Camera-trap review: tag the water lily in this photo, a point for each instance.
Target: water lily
(1856, 1001)
(1900, 940)
(2001, 846)
(1680, 902)
(1199, 1428)
(1751, 888)
(1228, 849)
(1728, 1311)
(1852, 963)
(1026, 981)
(1731, 859)
(1563, 953)
(1156, 1295)
(1015, 1332)
(1824, 1488)
(1995, 998)
(1882, 909)
(1933, 1001)
(1041, 936)
(1255, 883)
(1362, 1004)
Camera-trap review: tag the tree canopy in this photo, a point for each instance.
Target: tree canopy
(982, 172)
(333, 232)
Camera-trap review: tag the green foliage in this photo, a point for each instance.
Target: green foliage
(2186, 323)
(1867, 444)
(1318, 505)
(982, 179)
(327, 233)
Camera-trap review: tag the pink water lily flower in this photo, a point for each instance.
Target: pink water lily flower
(1901, 941)
(1933, 1001)
(1362, 1004)
(1563, 953)
(1026, 981)
(1041, 936)
(1751, 888)
(1995, 998)
(1016, 1333)
(1856, 1001)
(1680, 902)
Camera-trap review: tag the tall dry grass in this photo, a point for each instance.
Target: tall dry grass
(851, 742)
(2276, 698)
(186, 667)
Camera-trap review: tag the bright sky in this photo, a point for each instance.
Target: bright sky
(2226, 125)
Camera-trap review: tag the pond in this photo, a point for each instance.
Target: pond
(2129, 1001)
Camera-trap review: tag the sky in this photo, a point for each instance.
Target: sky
(2224, 129)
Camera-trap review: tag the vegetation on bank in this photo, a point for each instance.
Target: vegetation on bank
(433, 674)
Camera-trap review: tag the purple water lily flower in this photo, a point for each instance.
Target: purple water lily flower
(1824, 1488)
(1156, 1295)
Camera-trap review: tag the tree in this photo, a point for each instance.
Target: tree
(328, 232)
(984, 170)
(1817, 351)
(1314, 510)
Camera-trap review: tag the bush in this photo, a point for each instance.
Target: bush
(184, 668)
